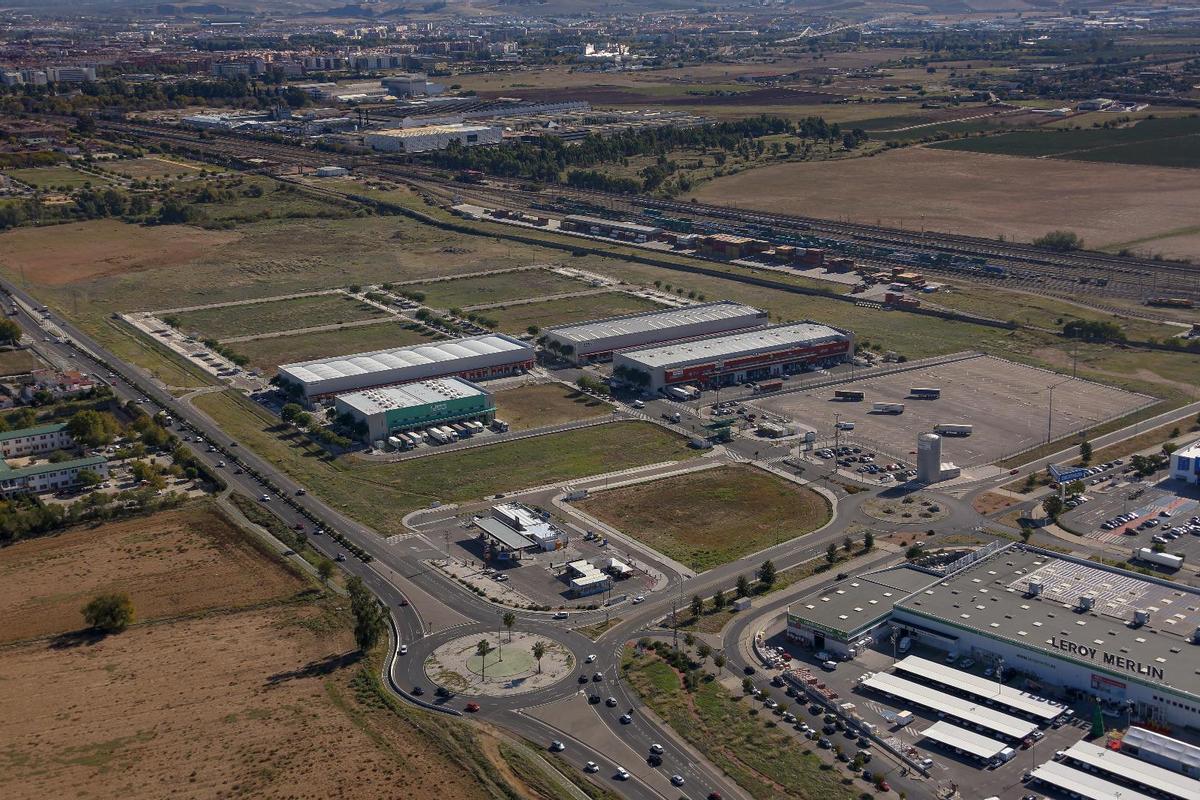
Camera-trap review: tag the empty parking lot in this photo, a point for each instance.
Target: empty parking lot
(1007, 403)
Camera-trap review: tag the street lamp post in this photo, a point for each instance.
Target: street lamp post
(1050, 409)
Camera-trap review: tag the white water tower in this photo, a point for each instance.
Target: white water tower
(929, 458)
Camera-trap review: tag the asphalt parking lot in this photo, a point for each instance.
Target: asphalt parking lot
(1007, 403)
(1147, 502)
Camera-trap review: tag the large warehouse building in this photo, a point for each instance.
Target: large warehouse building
(392, 409)
(432, 137)
(595, 340)
(475, 358)
(1091, 629)
(733, 358)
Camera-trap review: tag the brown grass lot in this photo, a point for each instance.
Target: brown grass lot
(713, 516)
(18, 362)
(261, 703)
(171, 563)
(498, 288)
(517, 318)
(268, 353)
(280, 315)
(983, 195)
(538, 404)
(152, 167)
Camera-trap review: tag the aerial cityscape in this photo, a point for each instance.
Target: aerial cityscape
(552, 400)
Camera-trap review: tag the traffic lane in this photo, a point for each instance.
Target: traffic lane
(578, 754)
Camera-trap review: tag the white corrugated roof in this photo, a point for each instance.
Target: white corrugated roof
(1170, 783)
(735, 344)
(399, 357)
(965, 740)
(376, 401)
(1084, 784)
(966, 710)
(651, 321)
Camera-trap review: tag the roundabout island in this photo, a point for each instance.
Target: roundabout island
(491, 665)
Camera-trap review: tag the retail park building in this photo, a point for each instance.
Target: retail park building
(1071, 623)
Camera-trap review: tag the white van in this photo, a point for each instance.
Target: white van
(845, 426)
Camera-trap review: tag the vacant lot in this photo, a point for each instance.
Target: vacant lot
(262, 703)
(714, 516)
(379, 495)
(517, 318)
(152, 167)
(539, 404)
(18, 362)
(269, 352)
(58, 255)
(484, 289)
(984, 195)
(54, 177)
(1008, 404)
(279, 315)
(171, 563)
(767, 762)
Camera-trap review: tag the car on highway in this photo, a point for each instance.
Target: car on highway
(583, 678)
(591, 766)
(598, 677)
(654, 760)
(300, 492)
(557, 747)
(656, 748)
(622, 774)
(340, 557)
(594, 699)
(418, 691)
(590, 658)
(638, 599)
(266, 498)
(677, 780)
(626, 719)
(403, 649)
(611, 702)
(561, 615)
(472, 707)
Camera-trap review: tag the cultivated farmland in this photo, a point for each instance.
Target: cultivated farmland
(983, 195)
(693, 518)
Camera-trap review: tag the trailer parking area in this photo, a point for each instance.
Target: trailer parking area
(1007, 403)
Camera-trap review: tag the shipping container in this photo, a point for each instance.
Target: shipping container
(925, 393)
(888, 408)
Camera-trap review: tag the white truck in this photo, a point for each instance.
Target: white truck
(953, 429)
(888, 408)
(677, 393)
(1167, 560)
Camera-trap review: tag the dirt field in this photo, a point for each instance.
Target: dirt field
(984, 195)
(171, 563)
(81, 251)
(268, 353)
(281, 315)
(152, 167)
(262, 703)
(690, 517)
(541, 404)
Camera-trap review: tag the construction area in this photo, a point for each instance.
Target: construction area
(1006, 407)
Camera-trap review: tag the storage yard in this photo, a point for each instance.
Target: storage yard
(1006, 404)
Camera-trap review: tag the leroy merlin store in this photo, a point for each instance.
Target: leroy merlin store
(1070, 624)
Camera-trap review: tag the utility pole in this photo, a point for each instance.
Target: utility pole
(675, 625)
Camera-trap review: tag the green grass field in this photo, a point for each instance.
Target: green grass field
(267, 354)
(518, 318)
(380, 495)
(54, 178)
(708, 518)
(278, 315)
(1169, 142)
(767, 762)
(537, 404)
(462, 292)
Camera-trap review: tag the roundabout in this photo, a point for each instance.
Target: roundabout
(490, 665)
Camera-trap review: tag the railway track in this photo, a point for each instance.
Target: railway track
(1034, 269)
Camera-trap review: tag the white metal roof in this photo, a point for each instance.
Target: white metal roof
(400, 357)
(981, 687)
(1163, 747)
(965, 710)
(965, 740)
(431, 130)
(1132, 769)
(410, 395)
(1083, 783)
(734, 345)
(652, 321)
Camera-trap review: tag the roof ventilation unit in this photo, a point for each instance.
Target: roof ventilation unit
(1086, 602)
(1141, 617)
(1035, 588)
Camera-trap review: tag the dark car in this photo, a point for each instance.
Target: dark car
(418, 691)
(749, 670)
(593, 699)
(583, 678)
(815, 708)
(654, 760)
(611, 702)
